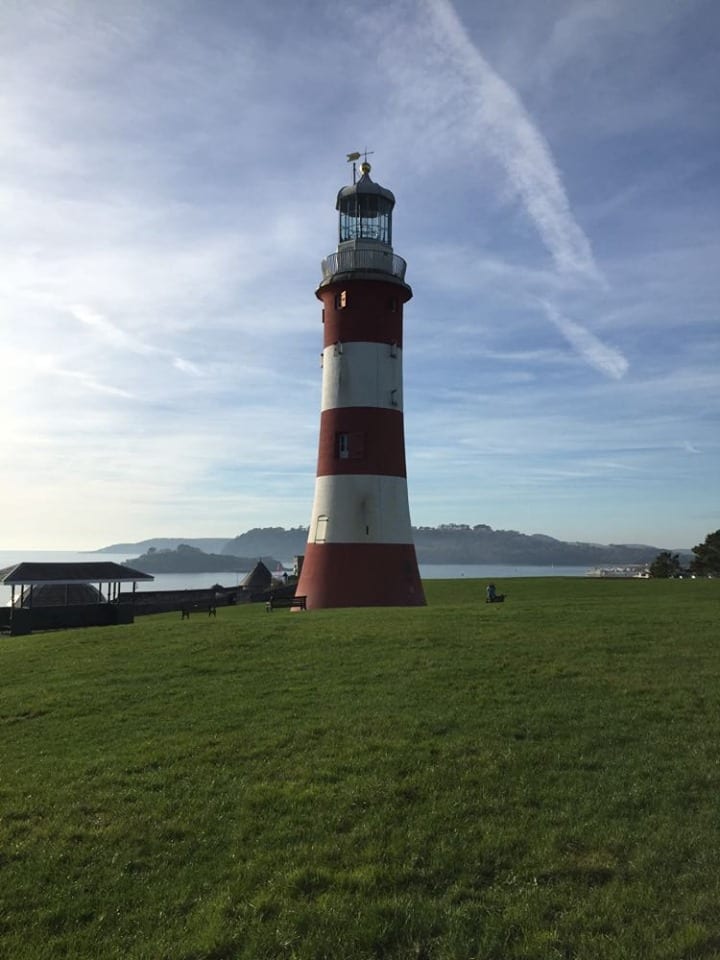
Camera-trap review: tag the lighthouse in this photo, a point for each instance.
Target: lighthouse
(360, 551)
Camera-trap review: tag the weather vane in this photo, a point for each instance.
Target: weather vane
(354, 157)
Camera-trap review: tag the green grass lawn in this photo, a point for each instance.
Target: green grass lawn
(538, 779)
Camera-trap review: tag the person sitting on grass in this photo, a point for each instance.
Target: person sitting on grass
(492, 596)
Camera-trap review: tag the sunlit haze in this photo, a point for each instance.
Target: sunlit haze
(168, 181)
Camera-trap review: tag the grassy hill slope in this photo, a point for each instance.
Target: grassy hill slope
(537, 779)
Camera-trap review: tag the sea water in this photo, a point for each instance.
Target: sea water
(231, 578)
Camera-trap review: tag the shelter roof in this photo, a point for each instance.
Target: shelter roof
(103, 572)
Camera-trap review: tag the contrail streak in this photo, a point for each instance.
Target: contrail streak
(447, 86)
(597, 354)
(507, 132)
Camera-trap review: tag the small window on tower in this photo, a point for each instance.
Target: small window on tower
(350, 446)
(342, 446)
(341, 300)
(393, 304)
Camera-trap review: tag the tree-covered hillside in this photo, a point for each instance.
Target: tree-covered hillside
(461, 543)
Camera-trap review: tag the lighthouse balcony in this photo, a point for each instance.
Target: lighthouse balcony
(363, 260)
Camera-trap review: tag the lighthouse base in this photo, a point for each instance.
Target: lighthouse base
(360, 575)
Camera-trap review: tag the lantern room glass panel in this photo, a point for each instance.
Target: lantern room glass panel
(366, 217)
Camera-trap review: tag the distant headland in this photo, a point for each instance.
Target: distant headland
(185, 558)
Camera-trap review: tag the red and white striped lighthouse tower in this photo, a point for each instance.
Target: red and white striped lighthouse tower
(360, 550)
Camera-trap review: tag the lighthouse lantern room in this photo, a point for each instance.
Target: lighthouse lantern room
(360, 550)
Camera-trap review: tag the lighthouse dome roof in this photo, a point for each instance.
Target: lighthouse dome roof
(365, 186)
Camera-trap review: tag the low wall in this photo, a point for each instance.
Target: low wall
(19, 621)
(166, 601)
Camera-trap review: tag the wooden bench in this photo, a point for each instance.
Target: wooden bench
(189, 608)
(273, 602)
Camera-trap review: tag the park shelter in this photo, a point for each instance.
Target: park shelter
(48, 596)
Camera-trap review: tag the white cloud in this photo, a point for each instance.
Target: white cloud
(108, 331)
(186, 366)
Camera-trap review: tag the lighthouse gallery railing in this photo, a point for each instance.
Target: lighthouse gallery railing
(346, 261)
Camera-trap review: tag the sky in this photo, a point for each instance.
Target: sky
(168, 175)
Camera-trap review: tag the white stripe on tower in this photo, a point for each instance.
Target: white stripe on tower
(381, 514)
(362, 375)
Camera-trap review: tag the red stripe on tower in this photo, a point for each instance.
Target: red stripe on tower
(360, 550)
